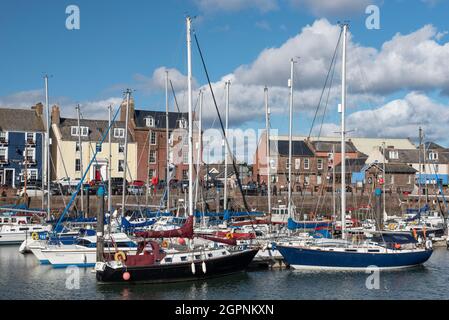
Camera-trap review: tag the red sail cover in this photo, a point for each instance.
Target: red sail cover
(231, 242)
(186, 231)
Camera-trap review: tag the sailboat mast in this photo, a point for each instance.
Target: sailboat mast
(225, 201)
(110, 163)
(267, 128)
(290, 127)
(125, 167)
(385, 181)
(167, 180)
(343, 135)
(78, 111)
(47, 147)
(200, 141)
(189, 90)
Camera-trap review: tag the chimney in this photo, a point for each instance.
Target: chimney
(55, 115)
(123, 110)
(39, 108)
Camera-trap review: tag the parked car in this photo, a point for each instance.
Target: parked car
(135, 190)
(65, 182)
(32, 191)
(117, 186)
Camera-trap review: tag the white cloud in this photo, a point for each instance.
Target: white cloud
(322, 8)
(399, 118)
(236, 5)
(157, 81)
(22, 99)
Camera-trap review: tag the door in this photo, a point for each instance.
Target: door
(9, 177)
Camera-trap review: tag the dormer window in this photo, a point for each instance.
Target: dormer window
(76, 133)
(433, 156)
(119, 133)
(3, 136)
(182, 124)
(149, 122)
(394, 154)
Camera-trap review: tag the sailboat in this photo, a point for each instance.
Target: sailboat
(153, 264)
(344, 254)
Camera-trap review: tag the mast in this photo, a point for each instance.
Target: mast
(385, 183)
(267, 128)
(47, 147)
(189, 89)
(334, 202)
(343, 135)
(225, 203)
(110, 163)
(200, 142)
(81, 157)
(420, 168)
(128, 94)
(290, 126)
(167, 179)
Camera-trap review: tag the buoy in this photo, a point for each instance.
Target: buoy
(126, 276)
(193, 268)
(181, 241)
(203, 266)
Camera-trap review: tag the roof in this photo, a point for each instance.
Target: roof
(353, 165)
(299, 149)
(363, 145)
(159, 118)
(97, 129)
(413, 156)
(327, 146)
(394, 168)
(20, 120)
(433, 146)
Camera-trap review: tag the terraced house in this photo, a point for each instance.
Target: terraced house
(21, 138)
(69, 160)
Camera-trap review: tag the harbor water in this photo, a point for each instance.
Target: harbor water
(22, 277)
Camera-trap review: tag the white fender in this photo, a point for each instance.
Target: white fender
(203, 266)
(193, 268)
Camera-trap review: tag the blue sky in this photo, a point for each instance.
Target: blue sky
(121, 43)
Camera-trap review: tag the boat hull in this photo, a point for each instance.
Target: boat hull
(304, 258)
(178, 272)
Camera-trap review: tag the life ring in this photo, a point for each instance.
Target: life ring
(35, 236)
(229, 235)
(164, 244)
(392, 226)
(120, 256)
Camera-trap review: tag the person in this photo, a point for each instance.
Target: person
(275, 190)
(419, 240)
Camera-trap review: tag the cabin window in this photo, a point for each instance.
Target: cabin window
(153, 138)
(183, 258)
(198, 257)
(149, 122)
(210, 255)
(168, 259)
(119, 133)
(223, 253)
(23, 229)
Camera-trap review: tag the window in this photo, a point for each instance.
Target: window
(185, 157)
(149, 122)
(297, 164)
(31, 175)
(320, 164)
(151, 173)
(287, 164)
(77, 165)
(3, 136)
(153, 138)
(3, 154)
(182, 124)
(436, 168)
(394, 154)
(77, 146)
(119, 133)
(75, 132)
(152, 156)
(319, 179)
(99, 147)
(306, 180)
(30, 155)
(392, 179)
(433, 156)
(409, 179)
(185, 174)
(121, 166)
(306, 164)
(121, 148)
(30, 137)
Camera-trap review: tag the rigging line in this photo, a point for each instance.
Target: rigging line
(328, 96)
(174, 96)
(325, 83)
(222, 127)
